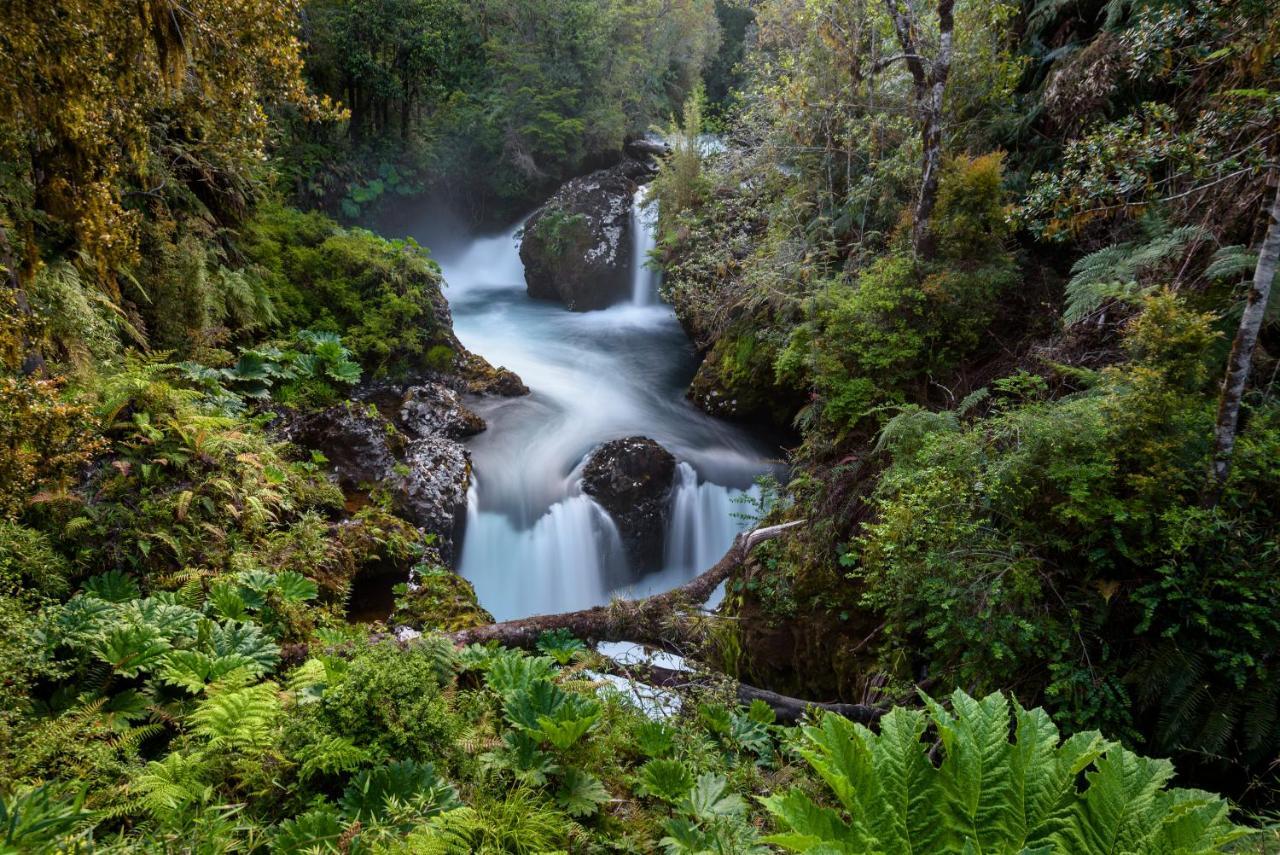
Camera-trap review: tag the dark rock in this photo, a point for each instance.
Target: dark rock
(631, 479)
(436, 409)
(430, 490)
(427, 477)
(577, 247)
(481, 378)
(358, 442)
(646, 147)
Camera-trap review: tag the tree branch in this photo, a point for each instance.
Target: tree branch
(788, 710)
(663, 620)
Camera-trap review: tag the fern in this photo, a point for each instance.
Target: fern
(168, 787)
(905, 433)
(1117, 272)
(242, 719)
(333, 754)
(990, 793)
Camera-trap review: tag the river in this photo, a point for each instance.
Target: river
(534, 542)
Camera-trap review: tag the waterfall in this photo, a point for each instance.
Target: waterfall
(644, 227)
(534, 544)
(705, 518)
(567, 560)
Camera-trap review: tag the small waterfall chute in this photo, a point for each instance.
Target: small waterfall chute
(644, 237)
(566, 560)
(705, 517)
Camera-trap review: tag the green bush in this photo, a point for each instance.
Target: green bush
(383, 297)
(1063, 546)
(390, 699)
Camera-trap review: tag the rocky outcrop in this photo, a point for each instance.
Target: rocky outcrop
(435, 409)
(631, 479)
(427, 474)
(577, 247)
(430, 490)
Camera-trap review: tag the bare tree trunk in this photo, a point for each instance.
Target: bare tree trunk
(930, 81)
(667, 621)
(1233, 385)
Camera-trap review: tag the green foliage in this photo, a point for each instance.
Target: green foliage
(990, 792)
(669, 780)
(875, 339)
(44, 442)
(1062, 542)
(390, 700)
(372, 792)
(382, 297)
(1120, 271)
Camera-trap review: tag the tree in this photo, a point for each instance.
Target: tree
(929, 77)
(1255, 312)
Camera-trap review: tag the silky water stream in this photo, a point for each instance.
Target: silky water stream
(534, 542)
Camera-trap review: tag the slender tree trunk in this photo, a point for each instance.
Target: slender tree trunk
(930, 81)
(1242, 348)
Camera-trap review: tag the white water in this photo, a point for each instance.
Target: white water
(534, 543)
(644, 219)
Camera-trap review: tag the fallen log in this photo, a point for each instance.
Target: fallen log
(788, 710)
(668, 621)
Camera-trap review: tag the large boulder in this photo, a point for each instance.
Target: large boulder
(631, 479)
(430, 490)
(427, 476)
(577, 247)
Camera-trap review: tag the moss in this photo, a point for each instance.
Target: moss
(439, 600)
(382, 296)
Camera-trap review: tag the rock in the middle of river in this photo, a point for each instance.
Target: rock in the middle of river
(631, 478)
(577, 247)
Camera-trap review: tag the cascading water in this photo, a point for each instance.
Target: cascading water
(705, 517)
(534, 542)
(644, 219)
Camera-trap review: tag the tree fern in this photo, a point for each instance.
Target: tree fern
(1118, 272)
(990, 793)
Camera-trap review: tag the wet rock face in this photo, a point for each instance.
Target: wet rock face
(430, 490)
(355, 439)
(436, 409)
(426, 474)
(577, 247)
(631, 479)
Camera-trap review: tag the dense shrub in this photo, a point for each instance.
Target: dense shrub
(382, 296)
(1061, 546)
